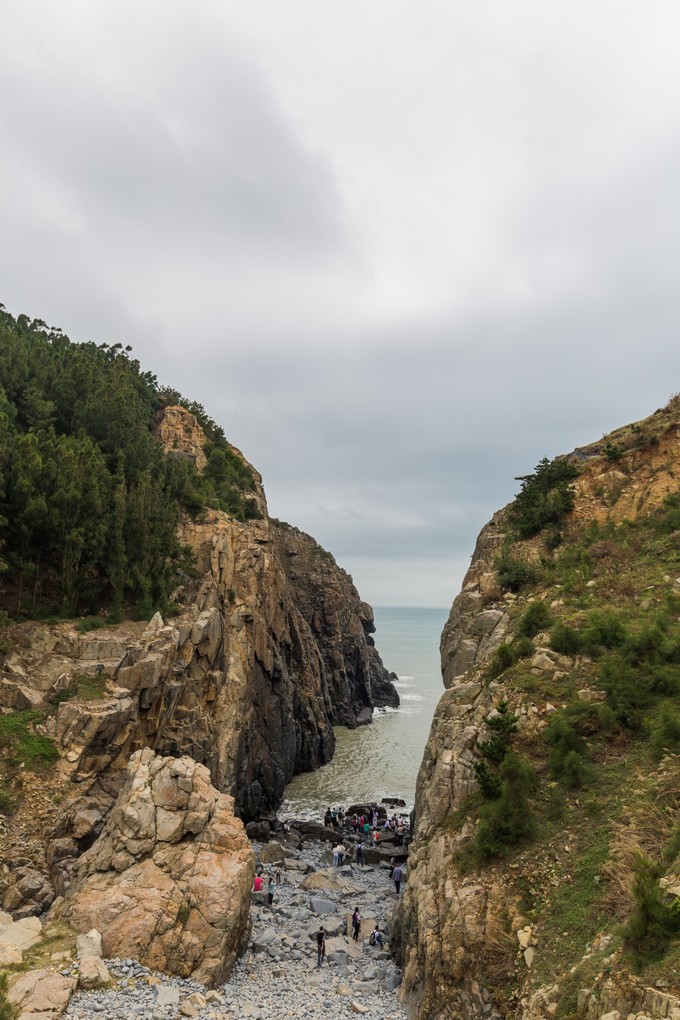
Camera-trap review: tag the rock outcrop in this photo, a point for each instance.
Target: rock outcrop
(268, 649)
(168, 880)
(462, 932)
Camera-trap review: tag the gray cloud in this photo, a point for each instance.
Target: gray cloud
(399, 258)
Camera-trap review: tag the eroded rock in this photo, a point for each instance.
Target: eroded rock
(168, 880)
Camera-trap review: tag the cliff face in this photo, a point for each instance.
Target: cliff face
(269, 648)
(535, 930)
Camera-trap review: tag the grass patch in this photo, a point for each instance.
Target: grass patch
(88, 688)
(22, 744)
(576, 913)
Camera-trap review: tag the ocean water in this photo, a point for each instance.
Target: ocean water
(382, 760)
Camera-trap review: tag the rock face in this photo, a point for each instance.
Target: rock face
(272, 648)
(458, 933)
(341, 624)
(168, 880)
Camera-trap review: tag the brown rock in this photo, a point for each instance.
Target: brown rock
(177, 904)
(41, 992)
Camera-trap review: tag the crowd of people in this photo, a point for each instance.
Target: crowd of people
(369, 823)
(363, 829)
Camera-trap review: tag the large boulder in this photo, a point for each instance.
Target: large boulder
(168, 880)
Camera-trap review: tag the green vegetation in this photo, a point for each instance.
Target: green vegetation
(545, 497)
(654, 923)
(536, 618)
(7, 1010)
(22, 745)
(89, 503)
(514, 574)
(506, 780)
(89, 688)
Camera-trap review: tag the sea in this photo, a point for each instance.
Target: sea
(382, 759)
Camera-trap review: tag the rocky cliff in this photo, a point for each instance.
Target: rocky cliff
(267, 647)
(549, 784)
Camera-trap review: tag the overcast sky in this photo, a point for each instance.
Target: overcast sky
(399, 250)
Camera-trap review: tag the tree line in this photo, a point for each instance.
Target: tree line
(89, 503)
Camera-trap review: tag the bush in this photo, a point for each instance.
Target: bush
(503, 659)
(654, 924)
(665, 736)
(522, 647)
(536, 619)
(565, 640)
(7, 1010)
(508, 820)
(502, 727)
(514, 574)
(604, 630)
(568, 749)
(545, 497)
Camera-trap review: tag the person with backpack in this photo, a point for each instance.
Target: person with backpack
(320, 945)
(360, 854)
(356, 924)
(375, 938)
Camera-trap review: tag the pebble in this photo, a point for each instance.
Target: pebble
(277, 977)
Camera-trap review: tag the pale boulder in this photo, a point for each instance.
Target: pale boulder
(41, 992)
(93, 973)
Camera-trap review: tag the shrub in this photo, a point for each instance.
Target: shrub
(604, 630)
(545, 497)
(565, 640)
(502, 727)
(522, 647)
(508, 820)
(536, 619)
(7, 1010)
(654, 924)
(568, 748)
(666, 734)
(514, 574)
(503, 659)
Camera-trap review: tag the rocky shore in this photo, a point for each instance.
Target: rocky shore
(278, 974)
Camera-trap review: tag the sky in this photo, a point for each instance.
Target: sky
(399, 251)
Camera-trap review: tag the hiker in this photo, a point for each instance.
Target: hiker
(257, 883)
(278, 875)
(360, 854)
(271, 889)
(397, 876)
(356, 924)
(320, 945)
(340, 848)
(375, 938)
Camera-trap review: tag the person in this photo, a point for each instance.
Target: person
(360, 854)
(397, 875)
(375, 938)
(335, 854)
(356, 924)
(392, 863)
(400, 832)
(257, 883)
(278, 875)
(376, 837)
(271, 889)
(341, 853)
(327, 818)
(320, 945)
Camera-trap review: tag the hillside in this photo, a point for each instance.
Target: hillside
(545, 874)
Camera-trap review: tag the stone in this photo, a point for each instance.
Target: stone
(42, 992)
(186, 1009)
(272, 853)
(93, 973)
(529, 954)
(89, 944)
(357, 1007)
(10, 955)
(166, 995)
(524, 936)
(141, 891)
(22, 934)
